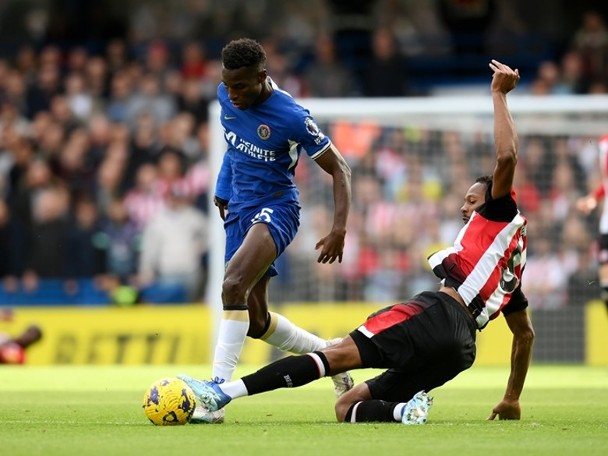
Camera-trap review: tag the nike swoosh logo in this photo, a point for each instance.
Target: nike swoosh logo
(229, 117)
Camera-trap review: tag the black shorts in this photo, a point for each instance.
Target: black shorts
(424, 343)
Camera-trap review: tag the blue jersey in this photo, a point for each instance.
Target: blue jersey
(264, 145)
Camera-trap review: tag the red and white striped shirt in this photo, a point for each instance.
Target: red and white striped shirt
(486, 262)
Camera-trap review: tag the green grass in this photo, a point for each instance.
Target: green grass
(97, 411)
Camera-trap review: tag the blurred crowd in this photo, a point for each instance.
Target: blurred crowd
(408, 187)
(104, 173)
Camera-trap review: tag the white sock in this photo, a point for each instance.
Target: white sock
(231, 337)
(398, 410)
(286, 336)
(235, 389)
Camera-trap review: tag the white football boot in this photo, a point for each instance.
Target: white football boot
(417, 409)
(202, 415)
(342, 382)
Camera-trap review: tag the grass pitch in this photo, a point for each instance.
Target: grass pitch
(97, 411)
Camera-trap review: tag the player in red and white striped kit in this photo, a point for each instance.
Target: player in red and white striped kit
(430, 339)
(589, 203)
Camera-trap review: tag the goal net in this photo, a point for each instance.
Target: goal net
(412, 161)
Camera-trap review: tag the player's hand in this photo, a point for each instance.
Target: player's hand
(222, 205)
(332, 248)
(504, 78)
(586, 204)
(506, 410)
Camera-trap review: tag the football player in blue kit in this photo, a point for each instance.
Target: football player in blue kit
(266, 132)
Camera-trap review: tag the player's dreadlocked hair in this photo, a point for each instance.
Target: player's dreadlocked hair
(487, 180)
(243, 52)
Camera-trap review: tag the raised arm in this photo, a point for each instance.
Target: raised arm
(521, 355)
(332, 245)
(504, 80)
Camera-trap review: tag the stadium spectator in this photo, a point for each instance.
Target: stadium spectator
(326, 76)
(386, 73)
(116, 55)
(97, 80)
(546, 276)
(13, 96)
(121, 239)
(179, 134)
(468, 23)
(591, 41)
(11, 249)
(145, 147)
(173, 245)
(572, 74)
(151, 100)
(548, 80)
(351, 23)
(583, 285)
(16, 152)
(73, 167)
(28, 182)
(120, 94)
(144, 200)
(157, 67)
(45, 255)
(565, 77)
(80, 102)
(85, 255)
(429, 339)
(418, 28)
(110, 174)
(99, 131)
(172, 167)
(190, 99)
(48, 84)
(194, 61)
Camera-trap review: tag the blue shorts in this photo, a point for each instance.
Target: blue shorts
(282, 219)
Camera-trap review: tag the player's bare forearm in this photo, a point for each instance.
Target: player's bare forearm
(332, 246)
(342, 196)
(504, 80)
(505, 136)
(521, 355)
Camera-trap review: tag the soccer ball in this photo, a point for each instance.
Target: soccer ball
(168, 402)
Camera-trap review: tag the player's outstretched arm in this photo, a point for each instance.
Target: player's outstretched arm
(504, 80)
(521, 354)
(332, 246)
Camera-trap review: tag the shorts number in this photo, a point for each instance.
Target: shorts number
(263, 216)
